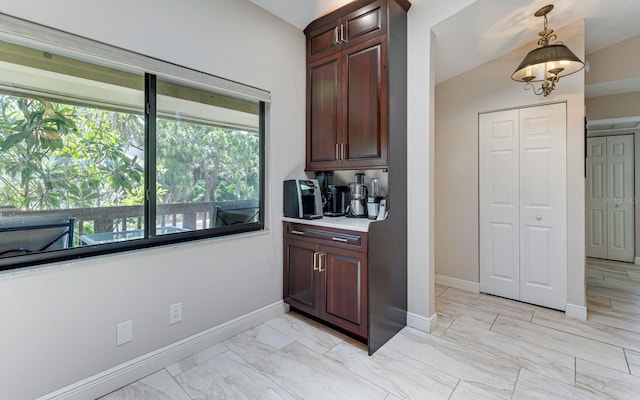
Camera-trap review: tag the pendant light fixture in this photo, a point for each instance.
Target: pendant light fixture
(548, 62)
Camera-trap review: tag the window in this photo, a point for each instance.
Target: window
(96, 158)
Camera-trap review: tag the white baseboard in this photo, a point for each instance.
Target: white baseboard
(636, 261)
(467, 286)
(421, 323)
(575, 311)
(123, 374)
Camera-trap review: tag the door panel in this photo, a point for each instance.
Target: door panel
(538, 240)
(620, 199)
(300, 278)
(365, 126)
(365, 23)
(345, 288)
(503, 254)
(596, 201)
(323, 89)
(543, 216)
(502, 193)
(536, 175)
(499, 199)
(323, 41)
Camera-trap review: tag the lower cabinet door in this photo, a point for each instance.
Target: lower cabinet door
(344, 289)
(301, 275)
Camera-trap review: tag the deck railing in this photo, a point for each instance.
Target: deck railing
(122, 218)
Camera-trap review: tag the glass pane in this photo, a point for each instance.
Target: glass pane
(71, 136)
(208, 159)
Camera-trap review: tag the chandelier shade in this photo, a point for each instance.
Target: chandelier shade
(556, 59)
(548, 62)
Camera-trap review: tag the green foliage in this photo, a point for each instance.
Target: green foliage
(55, 156)
(199, 163)
(61, 156)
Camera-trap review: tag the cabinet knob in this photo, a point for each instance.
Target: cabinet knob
(539, 217)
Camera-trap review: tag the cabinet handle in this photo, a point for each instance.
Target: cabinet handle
(316, 258)
(337, 151)
(343, 152)
(337, 239)
(343, 33)
(321, 256)
(297, 233)
(336, 35)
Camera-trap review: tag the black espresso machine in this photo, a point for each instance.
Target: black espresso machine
(302, 198)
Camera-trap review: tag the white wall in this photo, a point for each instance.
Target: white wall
(618, 62)
(423, 15)
(458, 102)
(57, 325)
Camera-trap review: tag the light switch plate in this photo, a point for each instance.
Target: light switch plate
(124, 332)
(175, 313)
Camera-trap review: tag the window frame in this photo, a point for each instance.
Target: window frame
(43, 38)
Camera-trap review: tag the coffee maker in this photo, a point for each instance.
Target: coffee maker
(325, 179)
(358, 193)
(337, 201)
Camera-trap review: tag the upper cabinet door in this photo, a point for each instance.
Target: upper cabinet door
(366, 23)
(348, 30)
(324, 41)
(365, 120)
(323, 107)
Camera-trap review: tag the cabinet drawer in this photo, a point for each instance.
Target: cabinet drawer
(352, 240)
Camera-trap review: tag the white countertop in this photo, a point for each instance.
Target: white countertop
(353, 224)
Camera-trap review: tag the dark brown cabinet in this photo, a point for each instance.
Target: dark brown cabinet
(356, 119)
(349, 27)
(347, 89)
(325, 275)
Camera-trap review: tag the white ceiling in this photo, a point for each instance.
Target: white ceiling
(300, 13)
(496, 27)
(489, 28)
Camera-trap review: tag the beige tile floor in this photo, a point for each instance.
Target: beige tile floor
(484, 348)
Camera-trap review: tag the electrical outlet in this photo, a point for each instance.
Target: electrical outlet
(175, 313)
(124, 332)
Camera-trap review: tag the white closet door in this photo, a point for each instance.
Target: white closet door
(620, 200)
(543, 205)
(596, 199)
(499, 229)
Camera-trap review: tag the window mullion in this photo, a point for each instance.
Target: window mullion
(150, 155)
